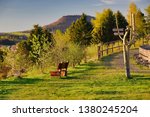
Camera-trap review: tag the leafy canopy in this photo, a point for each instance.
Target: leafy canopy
(80, 31)
(103, 25)
(39, 41)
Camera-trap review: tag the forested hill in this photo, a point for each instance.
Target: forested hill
(64, 22)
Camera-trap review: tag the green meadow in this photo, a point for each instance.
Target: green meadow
(94, 80)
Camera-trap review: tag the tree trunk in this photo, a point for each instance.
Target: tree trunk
(126, 59)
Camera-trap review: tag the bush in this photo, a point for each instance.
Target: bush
(4, 70)
(17, 60)
(65, 50)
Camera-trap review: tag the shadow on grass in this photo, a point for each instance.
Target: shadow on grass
(22, 81)
(83, 70)
(140, 78)
(69, 78)
(108, 92)
(5, 92)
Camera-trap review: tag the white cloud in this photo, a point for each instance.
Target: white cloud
(104, 2)
(107, 1)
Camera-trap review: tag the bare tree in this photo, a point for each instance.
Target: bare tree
(127, 42)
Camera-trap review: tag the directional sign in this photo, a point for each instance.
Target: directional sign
(120, 29)
(116, 33)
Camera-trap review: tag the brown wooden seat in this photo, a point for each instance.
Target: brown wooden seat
(61, 69)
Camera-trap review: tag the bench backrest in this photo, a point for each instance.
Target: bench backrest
(63, 65)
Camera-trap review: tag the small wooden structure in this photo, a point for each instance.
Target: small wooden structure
(143, 57)
(144, 52)
(61, 69)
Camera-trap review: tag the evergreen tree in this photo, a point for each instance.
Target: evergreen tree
(139, 19)
(122, 22)
(103, 25)
(40, 41)
(80, 31)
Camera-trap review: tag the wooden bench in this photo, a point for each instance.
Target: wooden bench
(61, 69)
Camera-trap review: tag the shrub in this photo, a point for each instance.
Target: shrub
(65, 50)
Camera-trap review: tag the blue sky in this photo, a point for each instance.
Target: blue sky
(19, 15)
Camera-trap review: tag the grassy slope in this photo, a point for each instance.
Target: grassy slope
(87, 81)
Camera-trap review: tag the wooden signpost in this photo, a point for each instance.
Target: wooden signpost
(121, 31)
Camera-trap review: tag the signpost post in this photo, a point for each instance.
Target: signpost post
(126, 42)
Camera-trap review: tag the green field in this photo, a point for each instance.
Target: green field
(95, 80)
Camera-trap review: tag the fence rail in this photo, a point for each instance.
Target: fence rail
(116, 46)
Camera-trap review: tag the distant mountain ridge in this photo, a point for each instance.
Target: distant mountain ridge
(64, 22)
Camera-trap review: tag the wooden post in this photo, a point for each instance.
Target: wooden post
(119, 45)
(107, 49)
(99, 52)
(112, 47)
(102, 50)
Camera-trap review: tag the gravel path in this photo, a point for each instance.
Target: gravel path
(116, 61)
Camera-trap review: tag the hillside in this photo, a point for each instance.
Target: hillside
(64, 22)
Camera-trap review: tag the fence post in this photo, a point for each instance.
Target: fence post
(99, 52)
(118, 46)
(102, 50)
(107, 49)
(112, 47)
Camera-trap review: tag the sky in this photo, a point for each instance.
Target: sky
(20, 15)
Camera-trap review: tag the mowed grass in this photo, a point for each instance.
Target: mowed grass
(90, 81)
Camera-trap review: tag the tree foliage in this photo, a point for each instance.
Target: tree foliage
(103, 25)
(139, 18)
(2, 56)
(65, 50)
(39, 41)
(122, 22)
(80, 31)
(132, 9)
(148, 10)
(140, 22)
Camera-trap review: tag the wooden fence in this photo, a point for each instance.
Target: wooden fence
(116, 46)
(109, 48)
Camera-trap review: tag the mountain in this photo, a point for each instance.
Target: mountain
(64, 22)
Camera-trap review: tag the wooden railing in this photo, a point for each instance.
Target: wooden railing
(108, 48)
(116, 46)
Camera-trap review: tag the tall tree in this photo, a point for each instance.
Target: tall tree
(40, 41)
(103, 25)
(139, 19)
(132, 9)
(80, 31)
(122, 22)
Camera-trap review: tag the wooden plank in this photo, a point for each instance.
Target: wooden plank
(116, 33)
(120, 29)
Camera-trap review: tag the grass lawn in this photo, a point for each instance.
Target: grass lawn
(92, 81)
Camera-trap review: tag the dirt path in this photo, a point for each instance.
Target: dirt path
(116, 61)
